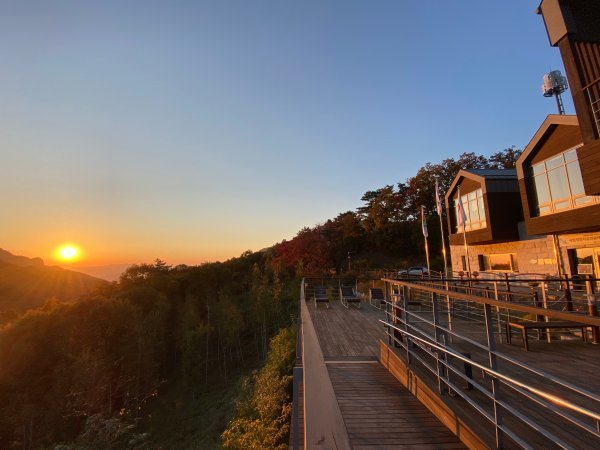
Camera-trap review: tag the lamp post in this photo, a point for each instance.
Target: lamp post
(349, 262)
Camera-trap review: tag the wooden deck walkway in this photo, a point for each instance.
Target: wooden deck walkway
(378, 412)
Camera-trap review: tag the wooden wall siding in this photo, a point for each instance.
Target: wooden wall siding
(467, 185)
(576, 76)
(559, 139)
(588, 54)
(502, 185)
(589, 162)
(504, 211)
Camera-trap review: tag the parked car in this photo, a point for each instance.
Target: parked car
(414, 271)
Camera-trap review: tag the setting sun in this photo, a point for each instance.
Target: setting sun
(68, 253)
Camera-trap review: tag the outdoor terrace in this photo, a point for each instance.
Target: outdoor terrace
(426, 334)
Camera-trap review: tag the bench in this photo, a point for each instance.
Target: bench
(541, 325)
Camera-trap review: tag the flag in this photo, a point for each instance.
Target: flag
(438, 201)
(424, 223)
(461, 215)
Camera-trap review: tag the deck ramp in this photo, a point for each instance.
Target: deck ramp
(378, 412)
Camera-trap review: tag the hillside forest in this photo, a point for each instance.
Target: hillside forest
(189, 356)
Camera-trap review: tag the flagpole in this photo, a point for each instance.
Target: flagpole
(439, 211)
(463, 219)
(425, 235)
(443, 247)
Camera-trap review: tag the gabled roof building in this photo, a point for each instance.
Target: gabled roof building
(535, 219)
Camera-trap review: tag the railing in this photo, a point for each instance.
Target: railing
(593, 94)
(447, 327)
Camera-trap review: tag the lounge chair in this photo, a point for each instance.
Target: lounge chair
(347, 296)
(320, 296)
(376, 297)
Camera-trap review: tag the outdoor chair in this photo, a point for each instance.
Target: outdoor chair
(347, 296)
(320, 296)
(376, 297)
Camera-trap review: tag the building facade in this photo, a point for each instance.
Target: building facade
(535, 219)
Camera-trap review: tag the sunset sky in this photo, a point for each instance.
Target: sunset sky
(192, 131)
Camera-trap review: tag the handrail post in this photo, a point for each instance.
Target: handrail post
(592, 310)
(568, 296)
(545, 304)
(407, 339)
(489, 328)
(438, 340)
(449, 306)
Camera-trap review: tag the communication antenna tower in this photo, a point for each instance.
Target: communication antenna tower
(555, 84)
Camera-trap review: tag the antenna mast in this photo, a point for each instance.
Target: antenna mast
(553, 85)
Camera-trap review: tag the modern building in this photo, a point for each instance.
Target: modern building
(537, 219)
(494, 238)
(573, 27)
(545, 217)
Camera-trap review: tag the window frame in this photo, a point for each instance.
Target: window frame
(542, 172)
(474, 197)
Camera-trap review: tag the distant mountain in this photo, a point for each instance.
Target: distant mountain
(23, 261)
(27, 283)
(110, 272)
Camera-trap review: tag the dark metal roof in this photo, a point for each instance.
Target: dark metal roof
(494, 173)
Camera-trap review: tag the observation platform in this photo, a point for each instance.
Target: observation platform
(374, 410)
(368, 386)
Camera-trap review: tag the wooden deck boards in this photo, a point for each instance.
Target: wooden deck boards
(348, 333)
(379, 413)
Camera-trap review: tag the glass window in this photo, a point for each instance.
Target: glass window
(559, 183)
(575, 180)
(506, 262)
(571, 155)
(556, 185)
(554, 162)
(541, 189)
(474, 211)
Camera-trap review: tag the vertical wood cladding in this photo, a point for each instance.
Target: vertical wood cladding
(559, 139)
(574, 26)
(589, 162)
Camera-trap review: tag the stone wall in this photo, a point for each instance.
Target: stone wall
(534, 255)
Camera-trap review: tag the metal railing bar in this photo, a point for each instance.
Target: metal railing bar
(564, 415)
(529, 422)
(551, 397)
(471, 402)
(576, 317)
(538, 372)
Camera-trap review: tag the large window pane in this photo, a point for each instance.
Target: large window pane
(539, 168)
(557, 179)
(541, 189)
(571, 155)
(555, 162)
(575, 181)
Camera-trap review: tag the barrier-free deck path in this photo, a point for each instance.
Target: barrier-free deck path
(379, 413)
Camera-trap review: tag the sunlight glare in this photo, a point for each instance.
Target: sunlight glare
(67, 253)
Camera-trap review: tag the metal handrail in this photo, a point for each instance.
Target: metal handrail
(507, 358)
(551, 397)
(575, 317)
